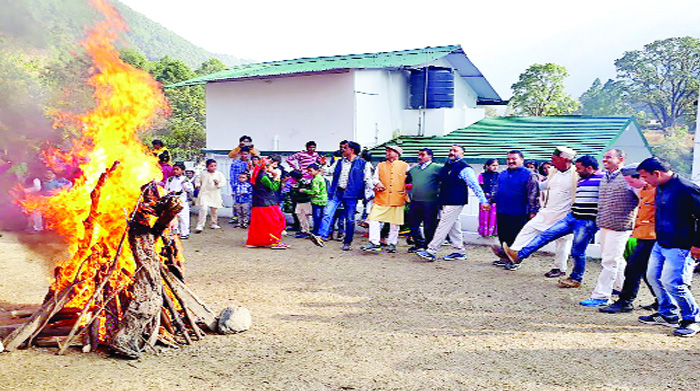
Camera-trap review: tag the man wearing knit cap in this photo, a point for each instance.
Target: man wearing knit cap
(560, 188)
(390, 196)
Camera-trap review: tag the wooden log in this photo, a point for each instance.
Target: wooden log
(201, 312)
(179, 325)
(56, 341)
(142, 316)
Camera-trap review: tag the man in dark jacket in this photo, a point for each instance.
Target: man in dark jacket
(670, 269)
(350, 177)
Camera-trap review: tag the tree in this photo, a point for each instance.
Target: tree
(210, 66)
(605, 99)
(663, 77)
(540, 92)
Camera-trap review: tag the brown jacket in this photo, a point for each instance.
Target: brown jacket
(644, 223)
(393, 177)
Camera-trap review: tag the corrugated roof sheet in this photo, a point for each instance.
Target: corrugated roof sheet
(536, 137)
(402, 58)
(321, 64)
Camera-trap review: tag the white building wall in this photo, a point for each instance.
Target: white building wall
(281, 113)
(380, 97)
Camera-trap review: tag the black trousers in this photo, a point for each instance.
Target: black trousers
(509, 226)
(425, 212)
(636, 269)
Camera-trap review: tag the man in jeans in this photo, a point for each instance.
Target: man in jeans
(617, 207)
(670, 269)
(580, 221)
(350, 177)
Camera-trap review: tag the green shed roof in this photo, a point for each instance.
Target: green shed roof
(397, 59)
(536, 137)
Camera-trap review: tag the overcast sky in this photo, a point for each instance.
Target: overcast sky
(502, 38)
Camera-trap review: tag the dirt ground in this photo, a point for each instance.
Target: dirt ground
(331, 320)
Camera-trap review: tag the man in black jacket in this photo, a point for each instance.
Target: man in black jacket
(670, 269)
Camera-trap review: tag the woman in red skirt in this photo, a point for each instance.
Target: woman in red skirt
(266, 220)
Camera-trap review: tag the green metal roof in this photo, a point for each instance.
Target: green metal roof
(536, 137)
(382, 60)
(320, 64)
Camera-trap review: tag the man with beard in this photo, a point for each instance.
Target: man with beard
(456, 176)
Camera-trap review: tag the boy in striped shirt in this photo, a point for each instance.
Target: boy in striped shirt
(580, 221)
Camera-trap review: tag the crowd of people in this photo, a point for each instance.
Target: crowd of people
(644, 214)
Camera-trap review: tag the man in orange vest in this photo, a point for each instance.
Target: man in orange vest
(390, 197)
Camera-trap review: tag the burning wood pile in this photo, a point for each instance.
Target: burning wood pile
(153, 306)
(121, 284)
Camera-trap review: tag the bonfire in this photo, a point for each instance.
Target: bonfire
(121, 285)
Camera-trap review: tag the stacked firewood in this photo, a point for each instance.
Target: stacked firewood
(156, 306)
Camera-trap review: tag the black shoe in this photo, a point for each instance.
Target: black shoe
(346, 247)
(659, 319)
(500, 263)
(617, 307)
(512, 266)
(415, 249)
(650, 307)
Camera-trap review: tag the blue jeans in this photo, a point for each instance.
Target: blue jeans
(670, 273)
(317, 216)
(350, 209)
(583, 230)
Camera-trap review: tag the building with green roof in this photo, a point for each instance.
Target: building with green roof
(368, 98)
(536, 137)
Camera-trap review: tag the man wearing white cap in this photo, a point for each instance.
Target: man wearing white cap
(389, 182)
(561, 188)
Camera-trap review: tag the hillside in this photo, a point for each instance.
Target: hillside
(57, 26)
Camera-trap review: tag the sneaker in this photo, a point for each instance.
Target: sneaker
(391, 248)
(182, 237)
(512, 266)
(279, 246)
(659, 319)
(568, 283)
(215, 226)
(232, 221)
(346, 247)
(617, 307)
(500, 263)
(426, 255)
(198, 230)
(554, 273)
(414, 249)
(317, 240)
(301, 235)
(590, 302)
(371, 248)
(512, 254)
(650, 307)
(687, 328)
(454, 257)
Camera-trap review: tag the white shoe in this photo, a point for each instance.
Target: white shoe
(198, 230)
(215, 226)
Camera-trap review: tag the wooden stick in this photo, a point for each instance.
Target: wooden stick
(189, 300)
(179, 294)
(176, 317)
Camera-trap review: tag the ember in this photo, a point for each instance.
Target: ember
(107, 292)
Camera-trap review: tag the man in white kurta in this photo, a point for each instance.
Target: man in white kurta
(561, 188)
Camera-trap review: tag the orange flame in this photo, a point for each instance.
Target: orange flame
(126, 102)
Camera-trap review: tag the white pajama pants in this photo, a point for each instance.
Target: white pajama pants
(449, 225)
(375, 231)
(612, 247)
(562, 249)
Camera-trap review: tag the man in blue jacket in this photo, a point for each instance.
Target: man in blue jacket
(350, 177)
(670, 269)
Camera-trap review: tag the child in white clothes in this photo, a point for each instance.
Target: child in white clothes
(179, 185)
(209, 199)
